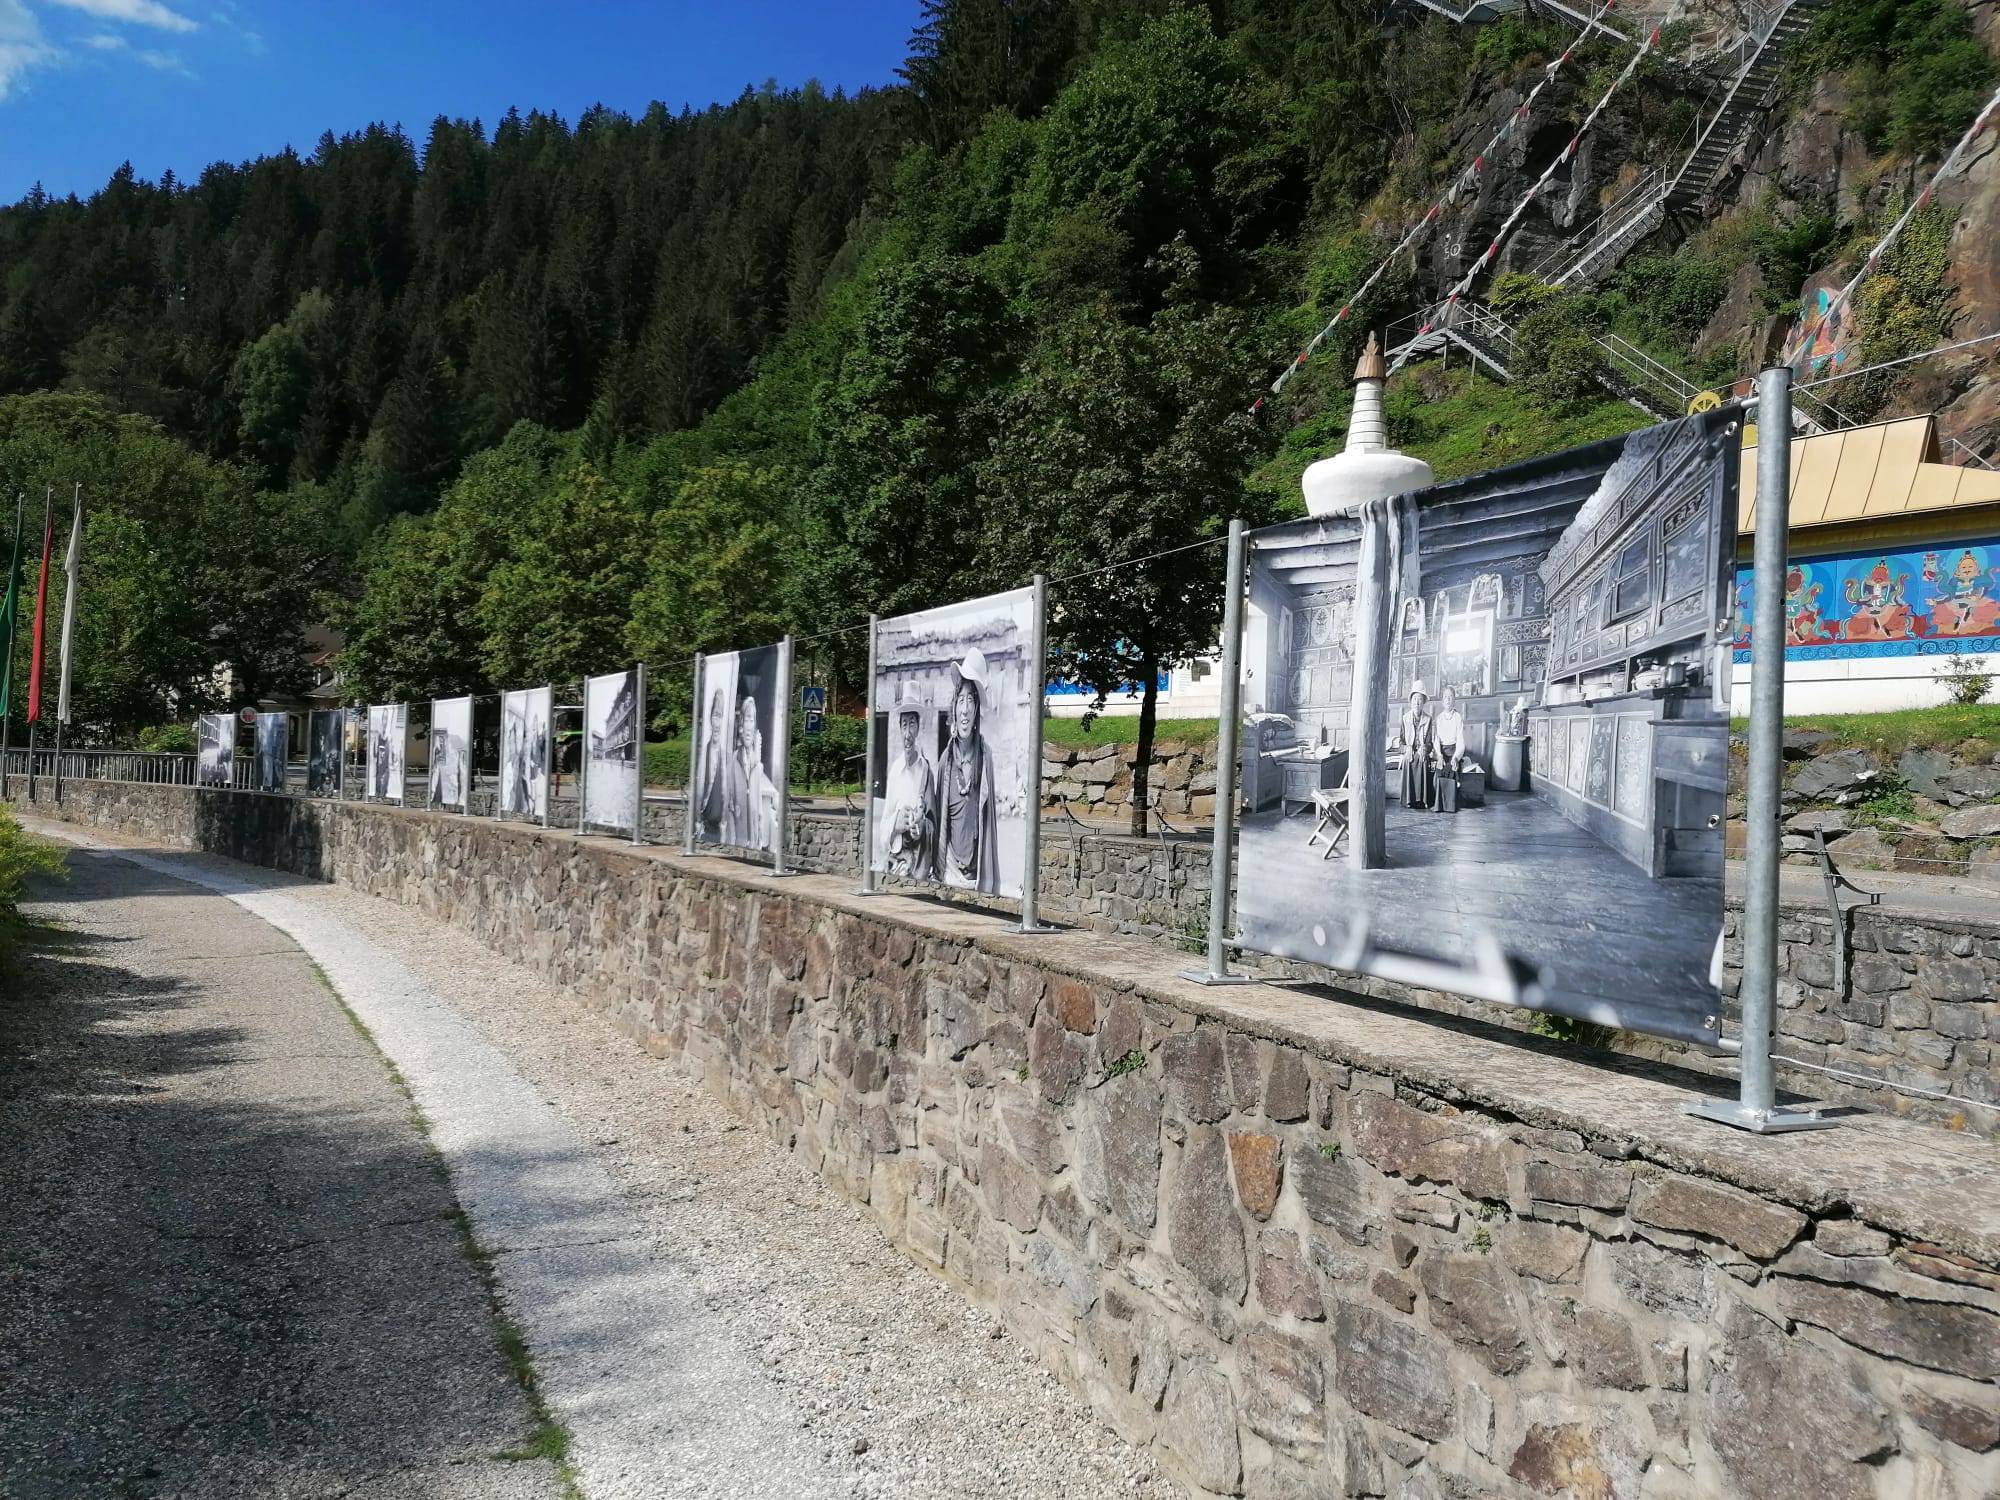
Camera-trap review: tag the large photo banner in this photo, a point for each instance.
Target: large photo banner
(215, 750)
(451, 753)
(1546, 718)
(323, 735)
(388, 735)
(958, 725)
(740, 763)
(612, 714)
(273, 751)
(524, 753)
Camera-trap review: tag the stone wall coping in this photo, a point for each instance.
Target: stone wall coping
(1920, 1181)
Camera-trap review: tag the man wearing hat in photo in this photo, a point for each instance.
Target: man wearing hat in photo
(1419, 744)
(968, 818)
(911, 793)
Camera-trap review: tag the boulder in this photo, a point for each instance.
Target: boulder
(1828, 820)
(1830, 775)
(1804, 744)
(1972, 784)
(1865, 848)
(1924, 771)
(1973, 822)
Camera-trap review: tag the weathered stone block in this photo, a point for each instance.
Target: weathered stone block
(1330, 1189)
(1850, 1237)
(1203, 1229)
(1547, 1252)
(1394, 1291)
(1012, 1191)
(1427, 1148)
(1254, 1162)
(1976, 1428)
(1200, 1426)
(1284, 1391)
(1197, 1077)
(1288, 1088)
(1753, 1225)
(1580, 1181)
(1056, 1059)
(1786, 1418)
(1669, 1283)
(1387, 1369)
(1120, 1165)
(1285, 1284)
(1470, 1304)
(1938, 1336)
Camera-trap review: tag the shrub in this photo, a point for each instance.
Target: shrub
(168, 739)
(1915, 70)
(20, 857)
(1787, 254)
(1672, 297)
(1556, 354)
(1966, 680)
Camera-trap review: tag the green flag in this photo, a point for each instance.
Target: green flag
(10, 616)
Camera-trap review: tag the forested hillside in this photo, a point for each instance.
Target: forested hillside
(530, 401)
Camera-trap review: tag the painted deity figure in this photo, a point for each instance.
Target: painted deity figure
(1964, 605)
(1879, 611)
(1802, 612)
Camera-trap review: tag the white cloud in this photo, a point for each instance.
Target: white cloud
(104, 41)
(164, 62)
(22, 45)
(137, 12)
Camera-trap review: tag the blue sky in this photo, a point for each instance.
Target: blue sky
(87, 84)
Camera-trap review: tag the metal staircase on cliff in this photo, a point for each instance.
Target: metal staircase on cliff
(1717, 153)
(1624, 369)
(1476, 12)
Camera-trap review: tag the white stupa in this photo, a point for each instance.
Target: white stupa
(1367, 468)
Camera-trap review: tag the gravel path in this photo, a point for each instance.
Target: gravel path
(229, 1255)
(867, 1375)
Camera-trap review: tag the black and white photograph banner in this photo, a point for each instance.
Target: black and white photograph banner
(1519, 795)
(740, 761)
(323, 737)
(273, 751)
(388, 735)
(215, 750)
(611, 724)
(524, 753)
(958, 725)
(451, 753)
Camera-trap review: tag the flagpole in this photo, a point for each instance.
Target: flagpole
(12, 606)
(72, 582)
(41, 609)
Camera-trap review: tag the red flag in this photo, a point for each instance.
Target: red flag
(41, 611)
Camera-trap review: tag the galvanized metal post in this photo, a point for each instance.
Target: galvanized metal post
(781, 731)
(582, 757)
(1223, 851)
(869, 752)
(1031, 877)
(639, 759)
(1755, 1109)
(694, 759)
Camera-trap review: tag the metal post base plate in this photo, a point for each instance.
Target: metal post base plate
(1034, 929)
(1776, 1121)
(1202, 976)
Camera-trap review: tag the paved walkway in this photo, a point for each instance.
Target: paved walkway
(706, 1317)
(229, 1265)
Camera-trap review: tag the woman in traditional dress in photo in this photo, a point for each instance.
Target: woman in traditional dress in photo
(1418, 744)
(968, 815)
(1448, 736)
(759, 825)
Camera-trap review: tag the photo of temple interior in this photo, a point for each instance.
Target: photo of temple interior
(1540, 823)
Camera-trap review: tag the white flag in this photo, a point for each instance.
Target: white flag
(71, 568)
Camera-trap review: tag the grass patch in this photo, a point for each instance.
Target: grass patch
(550, 1439)
(1121, 729)
(1973, 729)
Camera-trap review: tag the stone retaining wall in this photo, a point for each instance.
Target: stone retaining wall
(1920, 1009)
(1295, 1245)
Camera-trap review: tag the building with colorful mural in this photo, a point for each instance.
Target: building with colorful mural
(1895, 569)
